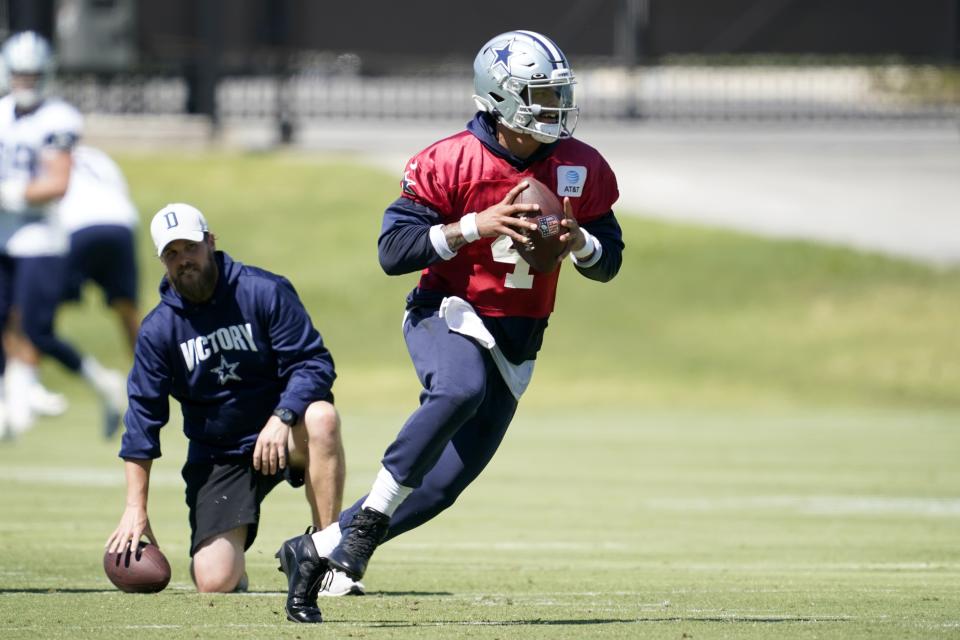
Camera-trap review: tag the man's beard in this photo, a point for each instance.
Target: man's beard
(195, 283)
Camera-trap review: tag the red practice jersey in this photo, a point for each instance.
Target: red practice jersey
(459, 175)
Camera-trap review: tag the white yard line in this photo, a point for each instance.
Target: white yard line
(807, 505)
(511, 546)
(816, 505)
(81, 476)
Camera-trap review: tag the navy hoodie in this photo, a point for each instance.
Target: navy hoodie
(229, 361)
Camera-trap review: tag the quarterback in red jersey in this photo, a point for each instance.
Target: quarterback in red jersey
(460, 174)
(475, 322)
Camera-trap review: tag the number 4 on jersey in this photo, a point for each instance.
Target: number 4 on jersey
(520, 277)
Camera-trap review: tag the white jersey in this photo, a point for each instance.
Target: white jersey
(54, 125)
(97, 194)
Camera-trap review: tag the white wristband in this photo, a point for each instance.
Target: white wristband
(468, 227)
(439, 241)
(590, 254)
(588, 247)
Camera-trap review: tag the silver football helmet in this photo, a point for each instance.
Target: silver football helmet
(27, 55)
(525, 81)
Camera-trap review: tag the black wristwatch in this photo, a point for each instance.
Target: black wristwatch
(286, 416)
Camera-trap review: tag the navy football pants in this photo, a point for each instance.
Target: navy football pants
(34, 286)
(106, 254)
(7, 268)
(465, 409)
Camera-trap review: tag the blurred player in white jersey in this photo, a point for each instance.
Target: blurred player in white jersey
(100, 220)
(38, 134)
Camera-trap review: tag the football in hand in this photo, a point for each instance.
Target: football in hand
(544, 247)
(144, 571)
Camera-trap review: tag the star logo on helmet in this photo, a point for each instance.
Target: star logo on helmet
(226, 371)
(502, 55)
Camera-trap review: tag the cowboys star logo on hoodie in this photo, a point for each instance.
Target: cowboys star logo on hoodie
(226, 371)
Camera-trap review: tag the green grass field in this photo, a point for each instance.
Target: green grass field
(737, 438)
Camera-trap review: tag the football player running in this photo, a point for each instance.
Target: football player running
(475, 322)
(38, 133)
(100, 218)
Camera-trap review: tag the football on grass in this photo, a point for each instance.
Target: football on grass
(144, 571)
(544, 247)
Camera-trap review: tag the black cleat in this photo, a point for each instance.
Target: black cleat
(305, 570)
(367, 529)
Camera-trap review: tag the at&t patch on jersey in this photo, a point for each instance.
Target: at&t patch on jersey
(570, 181)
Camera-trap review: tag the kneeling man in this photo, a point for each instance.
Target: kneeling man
(236, 348)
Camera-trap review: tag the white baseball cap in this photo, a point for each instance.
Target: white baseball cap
(177, 221)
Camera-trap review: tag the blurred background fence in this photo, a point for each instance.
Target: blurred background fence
(296, 61)
(663, 92)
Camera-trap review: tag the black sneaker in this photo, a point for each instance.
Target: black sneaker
(305, 570)
(367, 529)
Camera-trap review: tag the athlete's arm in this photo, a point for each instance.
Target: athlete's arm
(148, 390)
(147, 411)
(405, 243)
(492, 222)
(302, 358)
(134, 522)
(607, 231)
(53, 179)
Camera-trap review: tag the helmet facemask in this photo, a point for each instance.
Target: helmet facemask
(27, 89)
(548, 111)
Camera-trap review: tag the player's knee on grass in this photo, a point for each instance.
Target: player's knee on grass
(214, 578)
(218, 563)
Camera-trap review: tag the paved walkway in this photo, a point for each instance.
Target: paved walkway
(891, 188)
